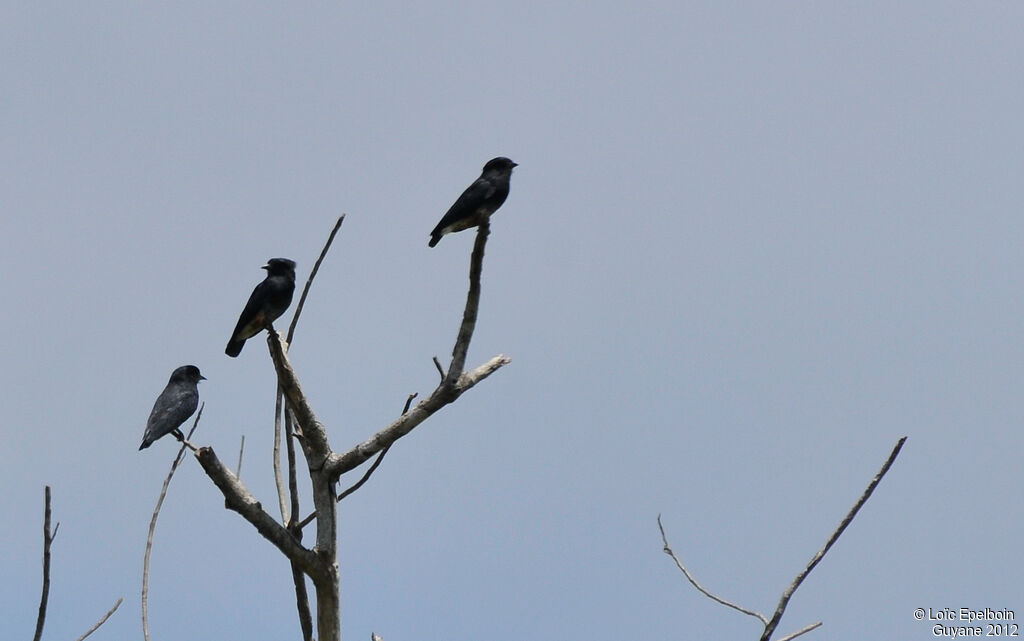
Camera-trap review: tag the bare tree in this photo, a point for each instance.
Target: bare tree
(770, 624)
(325, 465)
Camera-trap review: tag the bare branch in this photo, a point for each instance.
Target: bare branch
(366, 477)
(803, 630)
(314, 436)
(288, 513)
(302, 602)
(689, 577)
(476, 266)
(47, 540)
(102, 620)
(312, 275)
(408, 401)
(152, 524)
(298, 578)
(453, 384)
(338, 464)
(282, 499)
(238, 499)
(306, 521)
(241, 449)
(784, 601)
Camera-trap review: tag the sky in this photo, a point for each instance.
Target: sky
(747, 248)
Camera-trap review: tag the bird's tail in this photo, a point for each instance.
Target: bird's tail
(434, 239)
(234, 347)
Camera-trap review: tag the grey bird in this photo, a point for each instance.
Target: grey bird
(174, 405)
(479, 201)
(267, 302)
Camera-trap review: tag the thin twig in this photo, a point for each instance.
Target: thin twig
(380, 457)
(689, 577)
(302, 602)
(312, 274)
(358, 484)
(803, 630)
(440, 368)
(241, 449)
(298, 577)
(293, 483)
(48, 537)
(282, 498)
(784, 601)
(101, 621)
(184, 440)
(408, 402)
(152, 523)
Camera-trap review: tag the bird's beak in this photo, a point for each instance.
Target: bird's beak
(267, 266)
(202, 378)
(515, 164)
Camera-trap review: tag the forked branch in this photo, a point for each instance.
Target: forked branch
(453, 383)
(771, 624)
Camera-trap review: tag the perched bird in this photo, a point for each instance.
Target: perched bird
(174, 405)
(266, 303)
(479, 201)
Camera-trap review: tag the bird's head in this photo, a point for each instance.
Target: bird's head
(280, 266)
(187, 374)
(500, 164)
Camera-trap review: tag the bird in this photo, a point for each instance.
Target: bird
(174, 405)
(267, 302)
(479, 201)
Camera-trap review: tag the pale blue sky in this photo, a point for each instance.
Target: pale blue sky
(748, 246)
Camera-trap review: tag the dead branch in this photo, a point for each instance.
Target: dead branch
(298, 578)
(325, 466)
(784, 601)
(771, 624)
(689, 577)
(48, 537)
(338, 464)
(278, 477)
(314, 442)
(476, 268)
(312, 275)
(237, 498)
(152, 526)
(102, 620)
(287, 517)
(241, 449)
(358, 484)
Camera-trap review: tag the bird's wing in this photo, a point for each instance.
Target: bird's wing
(175, 404)
(252, 311)
(467, 204)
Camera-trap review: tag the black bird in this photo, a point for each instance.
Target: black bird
(479, 201)
(174, 405)
(266, 303)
